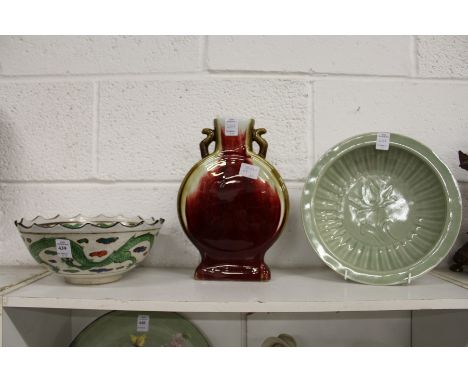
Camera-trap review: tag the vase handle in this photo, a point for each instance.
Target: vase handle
(210, 137)
(257, 137)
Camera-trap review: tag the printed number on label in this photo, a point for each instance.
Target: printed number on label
(231, 127)
(383, 141)
(249, 171)
(143, 323)
(63, 248)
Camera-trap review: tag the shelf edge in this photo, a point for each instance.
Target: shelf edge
(239, 307)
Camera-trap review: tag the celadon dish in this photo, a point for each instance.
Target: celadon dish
(141, 329)
(381, 217)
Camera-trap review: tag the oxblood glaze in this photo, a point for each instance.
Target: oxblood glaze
(231, 219)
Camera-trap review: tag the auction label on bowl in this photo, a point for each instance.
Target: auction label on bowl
(143, 323)
(383, 141)
(63, 248)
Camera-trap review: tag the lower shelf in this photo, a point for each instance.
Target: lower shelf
(290, 290)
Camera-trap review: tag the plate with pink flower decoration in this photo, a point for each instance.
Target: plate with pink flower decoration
(141, 329)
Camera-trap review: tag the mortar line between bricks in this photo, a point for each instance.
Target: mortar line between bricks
(311, 127)
(414, 56)
(330, 76)
(204, 53)
(289, 182)
(292, 73)
(210, 74)
(87, 182)
(95, 138)
(346, 77)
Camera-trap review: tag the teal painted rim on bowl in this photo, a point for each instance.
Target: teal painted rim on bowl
(402, 275)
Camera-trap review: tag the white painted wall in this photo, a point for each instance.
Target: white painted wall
(111, 124)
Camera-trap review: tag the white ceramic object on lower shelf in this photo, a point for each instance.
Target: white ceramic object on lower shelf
(89, 250)
(283, 340)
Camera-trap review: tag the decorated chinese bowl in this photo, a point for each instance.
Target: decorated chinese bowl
(89, 250)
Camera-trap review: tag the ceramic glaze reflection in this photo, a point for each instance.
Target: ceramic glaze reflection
(374, 206)
(253, 208)
(232, 219)
(380, 210)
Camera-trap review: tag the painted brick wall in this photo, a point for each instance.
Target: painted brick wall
(111, 124)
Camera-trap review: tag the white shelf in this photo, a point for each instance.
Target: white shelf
(458, 278)
(13, 277)
(292, 290)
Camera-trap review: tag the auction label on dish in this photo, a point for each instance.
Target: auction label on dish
(249, 171)
(231, 127)
(143, 323)
(63, 248)
(383, 141)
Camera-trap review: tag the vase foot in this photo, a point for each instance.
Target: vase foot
(229, 272)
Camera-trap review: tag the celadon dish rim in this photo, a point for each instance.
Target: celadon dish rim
(406, 274)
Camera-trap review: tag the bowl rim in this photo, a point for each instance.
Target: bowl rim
(403, 275)
(80, 221)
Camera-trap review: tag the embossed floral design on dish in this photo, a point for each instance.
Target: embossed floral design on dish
(381, 217)
(374, 204)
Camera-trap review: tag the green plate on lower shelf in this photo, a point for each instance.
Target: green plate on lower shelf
(381, 217)
(126, 328)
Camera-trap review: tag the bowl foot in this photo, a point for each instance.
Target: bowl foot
(92, 280)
